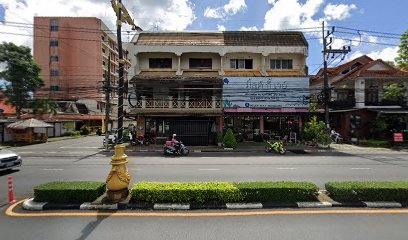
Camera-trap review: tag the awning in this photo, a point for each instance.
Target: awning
(390, 111)
(29, 123)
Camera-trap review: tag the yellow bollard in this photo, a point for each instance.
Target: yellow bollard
(118, 179)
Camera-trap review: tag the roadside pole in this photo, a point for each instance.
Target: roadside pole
(107, 104)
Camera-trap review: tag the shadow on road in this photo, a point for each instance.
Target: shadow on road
(91, 226)
(9, 171)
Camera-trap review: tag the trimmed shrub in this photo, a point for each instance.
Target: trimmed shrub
(278, 191)
(72, 133)
(85, 130)
(368, 191)
(185, 192)
(229, 139)
(68, 192)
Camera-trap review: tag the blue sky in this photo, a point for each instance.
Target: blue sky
(375, 15)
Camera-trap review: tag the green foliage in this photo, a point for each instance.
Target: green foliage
(278, 191)
(374, 143)
(21, 74)
(85, 130)
(378, 126)
(402, 59)
(126, 135)
(368, 191)
(185, 192)
(72, 133)
(219, 137)
(394, 92)
(315, 131)
(44, 106)
(68, 192)
(229, 139)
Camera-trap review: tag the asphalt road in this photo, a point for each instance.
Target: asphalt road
(81, 159)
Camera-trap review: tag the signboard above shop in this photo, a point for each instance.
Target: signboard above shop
(266, 92)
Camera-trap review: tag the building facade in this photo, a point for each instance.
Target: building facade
(358, 97)
(195, 84)
(73, 53)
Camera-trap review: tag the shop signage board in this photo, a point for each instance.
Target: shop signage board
(398, 137)
(266, 92)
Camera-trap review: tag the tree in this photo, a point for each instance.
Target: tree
(402, 59)
(229, 139)
(21, 74)
(394, 93)
(44, 106)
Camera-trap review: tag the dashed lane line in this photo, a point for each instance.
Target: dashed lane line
(9, 212)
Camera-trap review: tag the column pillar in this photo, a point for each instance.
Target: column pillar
(170, 101)
(222, 64)
(178, 64)
(214, 102)
(143, 101)
(261, 124)
(359, 92)
(221, 124)
(263, 67)
(187, 101)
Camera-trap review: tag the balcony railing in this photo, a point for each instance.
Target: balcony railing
(181, 103)
(385, 103)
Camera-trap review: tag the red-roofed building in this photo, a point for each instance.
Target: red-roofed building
(357, 89)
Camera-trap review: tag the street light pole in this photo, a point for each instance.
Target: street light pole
(117, 182)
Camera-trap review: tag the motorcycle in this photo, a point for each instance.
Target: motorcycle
(275, 146)
(175, 149)
(111, 143)
(336, 137)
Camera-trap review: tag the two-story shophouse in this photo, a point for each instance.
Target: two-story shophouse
(195, 84)
(357, 95)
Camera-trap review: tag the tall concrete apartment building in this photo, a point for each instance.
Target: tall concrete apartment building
(73, 55)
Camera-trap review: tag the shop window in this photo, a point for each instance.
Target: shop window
(241, 63)
(355, 121)
(54, 88)
(281, 64)
(200, 63)
(160, 63)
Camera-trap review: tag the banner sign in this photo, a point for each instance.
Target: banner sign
(398, 137)
(266, 92)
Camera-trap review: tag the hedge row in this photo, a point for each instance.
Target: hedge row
(223, 192)
(368, 191)
(278, 191)
(185, 192)
(68, 192)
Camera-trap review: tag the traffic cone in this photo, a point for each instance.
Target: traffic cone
(10, 190)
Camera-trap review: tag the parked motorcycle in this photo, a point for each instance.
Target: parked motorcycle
(336, 137)
(111, 143)
(275, 146)
(175, 149)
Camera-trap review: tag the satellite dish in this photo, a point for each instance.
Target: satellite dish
(132, 99)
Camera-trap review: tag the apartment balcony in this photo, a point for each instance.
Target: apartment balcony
(177, 107)
(343, 104)
(385, 103)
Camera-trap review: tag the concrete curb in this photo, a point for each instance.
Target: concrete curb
(40, 206)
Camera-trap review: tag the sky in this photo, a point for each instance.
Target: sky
(370, 27)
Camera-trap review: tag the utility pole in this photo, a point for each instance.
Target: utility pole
(327, 50)
(107, 100)
(118, 179)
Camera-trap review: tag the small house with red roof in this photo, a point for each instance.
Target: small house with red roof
(357, 91)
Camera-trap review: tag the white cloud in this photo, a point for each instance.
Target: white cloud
(221, 27)
(170, 14)
(290, 14)
(229, 9)
(386, 54)
(253, 28)
(338, 12)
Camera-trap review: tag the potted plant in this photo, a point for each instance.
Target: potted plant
(323, 139)
(219, 139)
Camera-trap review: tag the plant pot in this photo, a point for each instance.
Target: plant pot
(322, 145)
(219, 144)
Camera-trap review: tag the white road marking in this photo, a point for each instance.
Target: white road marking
(206, 157)
(285, 168)
(53, 169)
(25, 152)
(209, 169)
(81, 147)
(50, 152)
(360, 168)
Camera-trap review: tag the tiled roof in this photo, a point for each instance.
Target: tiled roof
(187, 75)
(240, 73)
(289, 73)
(228, 38)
